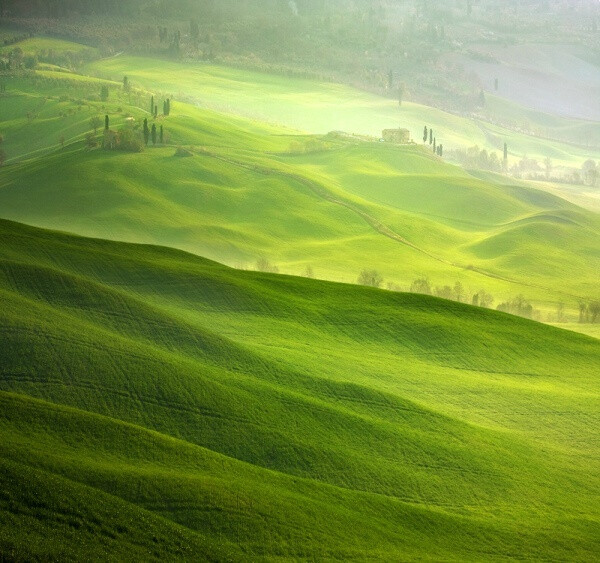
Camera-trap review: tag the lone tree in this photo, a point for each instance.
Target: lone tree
(154, 134)
(372, 278)
(106, 122)
(431, 136)
(152, 106)
(146, 131)
(401, 93)
(95, 123)
(425, 134)
(481, 100)
(162, 135)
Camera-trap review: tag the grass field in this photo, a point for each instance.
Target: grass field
(249, 193)
(319, 107)
(158, 405)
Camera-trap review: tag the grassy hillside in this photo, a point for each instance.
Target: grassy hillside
(169, 406)
(319, 107)
(336, 203)
(252, 190)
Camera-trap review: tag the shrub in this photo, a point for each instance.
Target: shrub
(182, 151)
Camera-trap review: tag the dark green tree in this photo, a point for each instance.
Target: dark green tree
(146, 131)
(155, 112)
(162, 135)
(425, 134)
(154, 133)
(401, 92)
(106, 123)
(431, 136)
(434, 146)
(481, 100)
(152, 105)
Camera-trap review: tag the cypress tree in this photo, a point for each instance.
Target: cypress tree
(106, 123)
(155, 112)
(162, 136)
(434, 147)
(152, 105)
(425, 134)
(430, 136)
(505, 152)
(146, 131)
(154, 133)
(165, 107)
(441, 150)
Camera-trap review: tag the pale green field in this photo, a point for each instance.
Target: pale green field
(319, 107)
(36, 45)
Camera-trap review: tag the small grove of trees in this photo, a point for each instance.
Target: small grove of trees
(521, 307)
(125, 139)
(589, 313)
(590, 172)
(263, 265)
(371, 278)
(437, 147)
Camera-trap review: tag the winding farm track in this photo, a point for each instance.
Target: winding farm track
(324, 193)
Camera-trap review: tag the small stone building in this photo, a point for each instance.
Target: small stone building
(397, 136)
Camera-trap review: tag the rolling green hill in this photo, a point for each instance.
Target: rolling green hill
(320, 107)
(159, 405)
(334, 203)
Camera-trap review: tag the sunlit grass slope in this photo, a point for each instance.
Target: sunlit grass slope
(256, 190)
(319, 107)
(158, 405)
(243, 195)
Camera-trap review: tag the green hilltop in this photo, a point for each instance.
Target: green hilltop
(158, 405)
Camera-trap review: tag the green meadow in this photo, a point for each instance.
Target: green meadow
(251, 190)
(161, 399)
(158, 405)
(320, 107)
